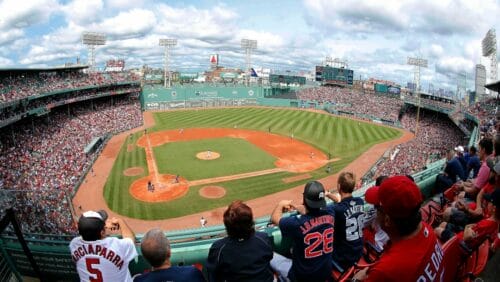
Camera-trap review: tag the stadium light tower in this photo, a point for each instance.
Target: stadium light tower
(418, 63)
(167, 43)
(489, 45)
(91, 40)
(249, 45)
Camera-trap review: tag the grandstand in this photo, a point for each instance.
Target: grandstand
(54, 123)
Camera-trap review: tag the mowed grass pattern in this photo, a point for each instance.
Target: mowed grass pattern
(340, 137)
(236, 156)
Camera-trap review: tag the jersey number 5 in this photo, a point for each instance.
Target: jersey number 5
(98, 274)
(315, 239)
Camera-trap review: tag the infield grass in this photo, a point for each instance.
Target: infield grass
(339, 137)
(236, 156)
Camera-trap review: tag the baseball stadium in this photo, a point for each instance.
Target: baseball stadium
(170, 149)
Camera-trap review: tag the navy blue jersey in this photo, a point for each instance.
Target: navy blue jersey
(348, 237)
(312, 241)
(174, 274)
(231, 259)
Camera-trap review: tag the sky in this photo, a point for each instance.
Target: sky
(375, 37)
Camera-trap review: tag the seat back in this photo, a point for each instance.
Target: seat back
(452, 259)
(430, 210)
(481, 258)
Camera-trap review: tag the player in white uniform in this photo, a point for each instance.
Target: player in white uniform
(98, 257)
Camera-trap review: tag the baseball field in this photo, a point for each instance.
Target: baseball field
(199, 160)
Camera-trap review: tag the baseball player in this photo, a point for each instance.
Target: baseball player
(98, 257)
(203, 222)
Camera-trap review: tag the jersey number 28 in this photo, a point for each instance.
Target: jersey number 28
(318, 244)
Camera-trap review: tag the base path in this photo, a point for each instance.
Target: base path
(292, 155)
(90, 193)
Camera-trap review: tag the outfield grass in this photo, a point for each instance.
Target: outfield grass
(339, 137)
(236, 156)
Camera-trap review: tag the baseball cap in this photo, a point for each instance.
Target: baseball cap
(494, 197)
(459, 149)
(91, 223)
(371, 194)
(398, 196)
(314, 195)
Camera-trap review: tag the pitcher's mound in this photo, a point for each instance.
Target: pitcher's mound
(208, 155)
(212, 192)
(133, 171)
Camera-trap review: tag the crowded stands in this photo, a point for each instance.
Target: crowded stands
(354, 101)
(436, 135)
(21, 86)
(45, 162)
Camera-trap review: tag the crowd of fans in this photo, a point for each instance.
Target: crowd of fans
(21, 86)
(435, 136)
(354, 101)
(436, 103)
(486, 112)
(47, 160)
(20, 109)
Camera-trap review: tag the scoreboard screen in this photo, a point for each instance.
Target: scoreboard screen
(331, 75)
(287, 79)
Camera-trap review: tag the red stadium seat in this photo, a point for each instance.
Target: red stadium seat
(452, 260)
(431, 211)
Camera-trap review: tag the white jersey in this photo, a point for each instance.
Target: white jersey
(103, 260)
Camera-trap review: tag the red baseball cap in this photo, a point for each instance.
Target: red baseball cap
(371, 195)
(398, 196)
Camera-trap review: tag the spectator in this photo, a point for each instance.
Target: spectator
(244, 255)
(98, 257)
(473, 164)
(380, 238)
(155, 248)
(459, 150)
(348, 224)
(398, 201)
(311, 233)
(485, 152)
(453, 172)
(477, 233)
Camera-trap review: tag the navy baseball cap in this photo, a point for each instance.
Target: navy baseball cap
(314, 195)
(91, 223)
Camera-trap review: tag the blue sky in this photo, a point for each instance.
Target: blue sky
(375, 37)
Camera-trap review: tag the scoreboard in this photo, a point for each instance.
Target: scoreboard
(286, 79)
(337, 76)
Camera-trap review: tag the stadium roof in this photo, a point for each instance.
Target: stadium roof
(495, 86)
(35, 70)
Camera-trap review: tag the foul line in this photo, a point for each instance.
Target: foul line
(234, 177)
(150, 159)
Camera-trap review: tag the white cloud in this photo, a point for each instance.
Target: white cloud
(124, 4)
(5, 61)
(8, 36)
(14, 14)
(133, 23)
(454, 65)
(214, 25)
(83, 11)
